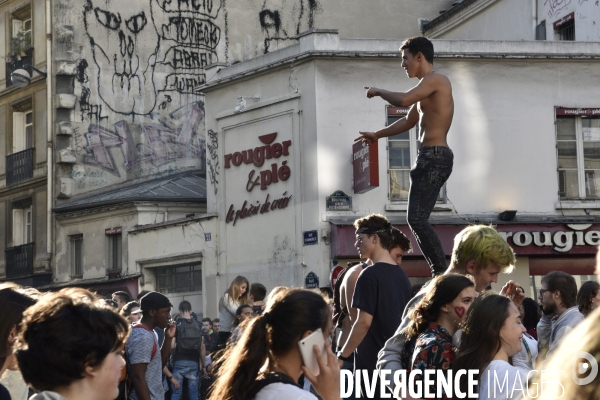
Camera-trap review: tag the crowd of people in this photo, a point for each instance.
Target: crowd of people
(72, 344)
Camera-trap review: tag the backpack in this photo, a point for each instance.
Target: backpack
(189, 336)
(273, 377)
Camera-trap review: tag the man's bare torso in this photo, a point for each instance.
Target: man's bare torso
(435, 112)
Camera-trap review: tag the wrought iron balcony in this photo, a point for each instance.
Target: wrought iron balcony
(19, 260)
(19, 166)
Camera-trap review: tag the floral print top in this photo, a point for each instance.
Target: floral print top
(433, 350)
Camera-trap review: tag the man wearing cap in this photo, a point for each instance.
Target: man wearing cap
(146, 359)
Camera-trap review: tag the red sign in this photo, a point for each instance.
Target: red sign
(365, 163)
(577, 111)
(113, 231)
(398, 110)
(335, 272)
(564, 20)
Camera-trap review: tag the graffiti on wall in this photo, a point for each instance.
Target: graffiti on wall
(145, 54)
(282, 21)
(175, 137)
(212, 159)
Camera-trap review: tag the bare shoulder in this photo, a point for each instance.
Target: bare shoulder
(439, 79)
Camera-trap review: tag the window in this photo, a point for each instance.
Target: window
(114, 252)
(22, 226)
(402, 154)
(22, 130)
(566, 32)
(187, 278)
(540, 31)
(578, 154)
(564, 28)
(21, 31)
(76, 255)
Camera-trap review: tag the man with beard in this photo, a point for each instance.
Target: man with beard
(558, 297)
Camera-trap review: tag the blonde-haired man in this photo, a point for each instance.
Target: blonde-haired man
(479, 251)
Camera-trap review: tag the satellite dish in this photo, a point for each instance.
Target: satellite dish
(20, 78)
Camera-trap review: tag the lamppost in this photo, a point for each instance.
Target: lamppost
(21, 78)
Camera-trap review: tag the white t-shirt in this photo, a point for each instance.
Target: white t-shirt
(279, 391)
(502, 381)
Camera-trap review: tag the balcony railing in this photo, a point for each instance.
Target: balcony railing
(19, 260)
(16, 62)
(19, 166)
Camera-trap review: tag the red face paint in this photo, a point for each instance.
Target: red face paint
(460, 311)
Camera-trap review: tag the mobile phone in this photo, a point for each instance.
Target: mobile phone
(306, 350)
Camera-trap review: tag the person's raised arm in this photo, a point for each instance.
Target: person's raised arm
(424, 88)
(402, 125)
(168, 343)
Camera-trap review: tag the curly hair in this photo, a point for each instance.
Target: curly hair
(377, 224)
(442, 290)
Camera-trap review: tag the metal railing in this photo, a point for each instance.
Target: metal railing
(19, 166)
(19, 260)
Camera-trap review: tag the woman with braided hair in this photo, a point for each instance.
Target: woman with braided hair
(435, 320)
(266, 363)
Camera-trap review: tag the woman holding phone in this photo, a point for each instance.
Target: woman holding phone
(266, 363)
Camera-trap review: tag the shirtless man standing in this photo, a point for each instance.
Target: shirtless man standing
(432, 106)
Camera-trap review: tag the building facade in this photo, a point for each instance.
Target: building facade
(285, 155)
(23, 145)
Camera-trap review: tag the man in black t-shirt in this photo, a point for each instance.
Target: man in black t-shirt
(381, 293)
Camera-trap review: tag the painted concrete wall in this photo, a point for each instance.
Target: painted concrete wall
(95, 243)
(500, 20)
(129, 105)
(587, 17)
(176, 244)
(503, 125)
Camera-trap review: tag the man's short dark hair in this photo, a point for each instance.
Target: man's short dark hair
(185, 306)
(258, 291)
(565, 284)
(419, 44)
(82, 329)
(399, 239)
(216, 320)
(207, 320)
(123, 296)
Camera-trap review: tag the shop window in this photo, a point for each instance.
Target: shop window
(402, 154)
(578, 154)
(178, 279)
(76, 255)
(114, 242)
(22, 223)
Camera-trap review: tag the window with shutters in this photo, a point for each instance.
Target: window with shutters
(76, 255)
(177, 279)
(578, 154)
(114, 252)
(22, 223)
(21, 31)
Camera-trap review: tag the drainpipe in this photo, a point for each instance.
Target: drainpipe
(49, 125)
